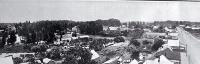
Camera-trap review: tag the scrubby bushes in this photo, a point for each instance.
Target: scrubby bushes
(119, 39)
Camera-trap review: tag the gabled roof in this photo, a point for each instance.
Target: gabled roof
(155, 61)
(134, 62)
(171, 55)
(94, 54)
(111, 60)
(173, 42)
(113, 28)
(164, 60)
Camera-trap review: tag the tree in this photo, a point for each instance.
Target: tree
(12, 38)
(137, 33)
(109, 22)
(17, 60)
(145, 42)
(158, 43)
(119, 39)
(39, 48)
(97, 45)
(55, 53)
(5, 35)
(135, 42)
(70, 60)
(160, 29)
(78, 55)
(135, 55)
(90, 27)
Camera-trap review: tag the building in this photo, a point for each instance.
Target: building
(152, 35)
(94, 54)
(160, 60)
(75, 29)
(173, 56)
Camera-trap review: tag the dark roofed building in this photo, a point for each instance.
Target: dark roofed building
(171, 55)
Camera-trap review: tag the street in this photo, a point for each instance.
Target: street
(192, 46)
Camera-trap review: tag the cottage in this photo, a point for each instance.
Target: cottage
(173, 43)
(169, 54)
(75, 29)
(112, 60)
(161, 60)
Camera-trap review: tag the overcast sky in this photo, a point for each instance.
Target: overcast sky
(35, 10)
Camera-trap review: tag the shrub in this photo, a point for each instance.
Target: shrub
(145, 42)
(135, 42)
(158, 43)
(119, 39)
(135, 55)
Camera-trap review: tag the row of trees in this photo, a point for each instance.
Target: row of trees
(44, 30)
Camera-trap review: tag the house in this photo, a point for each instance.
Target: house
(152, 35)
(112, 31)
(75, 29)
(155, 27)
(188, 27)
(94, 54)
(112, 60)
(195, 28)
(169, 30)
(174, 44)
(147, 30)
(169, 54)
(155, 61)
(113, 28)
(161, 60)
(105, 28)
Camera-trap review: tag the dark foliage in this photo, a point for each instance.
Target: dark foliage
(11, 40)
(78, 55)
(97, 44)
(135, 42)
(135, 55)
(135, 34)
(109, 22)
(158, 43)
(119, 39)
(145, 42)
(91, 27)
(160, 29)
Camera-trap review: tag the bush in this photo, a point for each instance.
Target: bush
(135, 34)
(145, 42)
(158, 43)
(135, 55)
(39, 48)
(96, 45)
(55, 53)
(119, 39)
(135, 42)
(17, 60)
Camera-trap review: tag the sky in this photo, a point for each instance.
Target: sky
(12, 11)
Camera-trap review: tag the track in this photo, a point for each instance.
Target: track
(193, 46)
